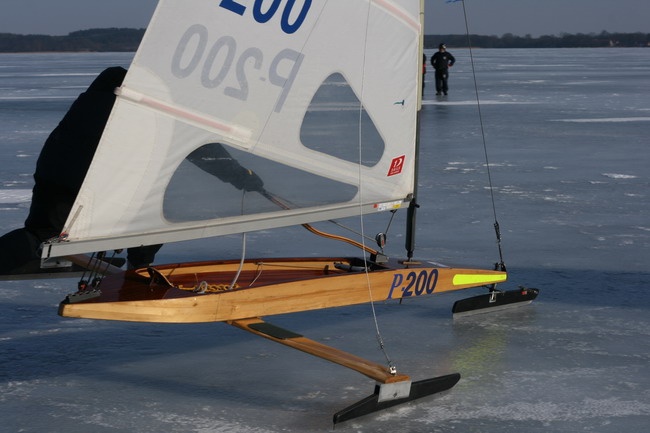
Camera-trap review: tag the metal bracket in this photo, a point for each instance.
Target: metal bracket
(393, 391)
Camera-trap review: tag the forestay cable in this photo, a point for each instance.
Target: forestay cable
(500, 265)
(379, 337)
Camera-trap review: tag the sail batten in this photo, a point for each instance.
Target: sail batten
(233, 132)
(315, 101)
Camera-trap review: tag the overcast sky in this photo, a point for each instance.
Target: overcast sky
(487, 17)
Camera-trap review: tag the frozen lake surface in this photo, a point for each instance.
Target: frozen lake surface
(567, 135)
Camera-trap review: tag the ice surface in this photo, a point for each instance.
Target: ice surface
(572, 202)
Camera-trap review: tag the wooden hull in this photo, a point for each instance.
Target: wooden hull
(264, 287)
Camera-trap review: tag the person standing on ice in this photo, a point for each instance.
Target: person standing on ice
(441, 62)
(424, 70)
(62, 166)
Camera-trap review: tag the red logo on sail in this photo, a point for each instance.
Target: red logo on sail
(396, 166)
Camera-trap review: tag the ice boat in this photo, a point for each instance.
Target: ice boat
(242, 116)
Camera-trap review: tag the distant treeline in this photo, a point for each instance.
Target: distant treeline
(565, 40)
(114, 39)
(85, 40)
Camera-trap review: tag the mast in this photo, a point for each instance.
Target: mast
(413, 205)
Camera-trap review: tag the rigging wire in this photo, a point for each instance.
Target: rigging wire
(500, 265)
(243, 248)
(380, 339)
(93, 271)
(241, 262)
(82, 285)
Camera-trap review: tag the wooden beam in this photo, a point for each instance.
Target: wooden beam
(368, 368)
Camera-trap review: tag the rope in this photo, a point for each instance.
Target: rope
(350, 229)
(500, 264)
(284, 204)
(341, 238)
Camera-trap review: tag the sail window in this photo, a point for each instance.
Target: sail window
(333, 125)
(210, 181)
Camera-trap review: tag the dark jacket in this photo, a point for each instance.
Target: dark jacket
(442, 60)
(60, 171)
(67, 153)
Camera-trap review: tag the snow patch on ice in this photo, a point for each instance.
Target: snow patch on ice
(605, 120)
(473, 102)
(584, 82)
(455, 165)
(17, 388)
(61, 74)
(538, 65)
(399, 412)
(511, 189)
(46, 331)
(69, 87)
(312, 395)
(619, 176)
(528, 81)
(546, 412)
(32, 98)
(207, 424)
(561, 198)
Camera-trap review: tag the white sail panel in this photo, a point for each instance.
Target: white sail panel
(318, 98)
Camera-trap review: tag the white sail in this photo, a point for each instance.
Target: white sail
(317, 98)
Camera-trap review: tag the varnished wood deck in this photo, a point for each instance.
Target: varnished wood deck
(264, 288)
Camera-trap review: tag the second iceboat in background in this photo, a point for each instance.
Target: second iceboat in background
(320, 100)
